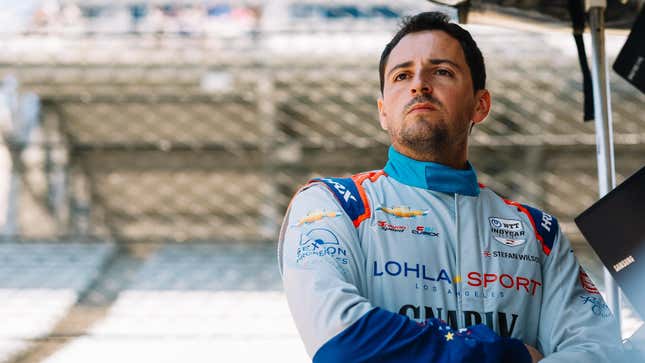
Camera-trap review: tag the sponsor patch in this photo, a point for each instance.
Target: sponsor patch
(316, 216)
(586, 283)
(511, 255)
(502, 322)
(403, 211)
(509, 232)
(425, 231)
(321, 242)
(348, 195)
(506, 281)
(386, 226)
(410, 270)
(598, 306)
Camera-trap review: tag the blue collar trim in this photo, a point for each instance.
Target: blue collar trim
(433, 176)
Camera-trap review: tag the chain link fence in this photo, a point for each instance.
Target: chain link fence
(153, 156)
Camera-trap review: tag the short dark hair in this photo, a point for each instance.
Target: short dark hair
(433, 20)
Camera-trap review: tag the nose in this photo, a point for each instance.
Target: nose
(420, 85)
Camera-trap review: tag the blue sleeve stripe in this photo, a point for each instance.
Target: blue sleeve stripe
(381, 336)
(545, 224)
(347, 194)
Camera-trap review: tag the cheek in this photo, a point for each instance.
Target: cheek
(395, 93)
(391, 107)
(458, 103)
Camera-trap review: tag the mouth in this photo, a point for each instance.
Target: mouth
(422, 107)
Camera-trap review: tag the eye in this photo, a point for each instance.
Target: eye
(400, 77)
(443, 72)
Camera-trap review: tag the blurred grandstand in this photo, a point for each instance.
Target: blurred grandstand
(150, 149)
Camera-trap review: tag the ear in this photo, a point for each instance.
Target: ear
(482, 106)
(382, 116)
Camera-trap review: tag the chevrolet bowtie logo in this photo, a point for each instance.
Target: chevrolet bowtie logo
(403, 211)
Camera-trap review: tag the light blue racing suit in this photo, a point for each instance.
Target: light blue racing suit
(366, 260)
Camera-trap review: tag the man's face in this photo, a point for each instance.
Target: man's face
(428, 102)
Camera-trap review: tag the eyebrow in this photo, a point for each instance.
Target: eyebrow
(432, 61)
(400, 65)
(439, 61)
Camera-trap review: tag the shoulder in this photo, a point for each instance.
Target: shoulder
(349, 193)
(544, 225)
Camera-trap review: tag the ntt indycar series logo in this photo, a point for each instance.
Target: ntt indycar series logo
(509, 232)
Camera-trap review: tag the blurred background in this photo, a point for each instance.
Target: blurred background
(149, 150)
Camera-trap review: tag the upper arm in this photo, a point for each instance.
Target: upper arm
(575, 323)
(322, 263)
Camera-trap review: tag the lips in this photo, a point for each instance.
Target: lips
(422, 107)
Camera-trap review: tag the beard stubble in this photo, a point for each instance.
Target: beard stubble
(424, 136)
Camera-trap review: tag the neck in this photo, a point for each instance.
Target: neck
(431, 175)
(455, 159)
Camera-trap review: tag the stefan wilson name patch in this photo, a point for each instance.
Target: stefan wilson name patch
(509, 232)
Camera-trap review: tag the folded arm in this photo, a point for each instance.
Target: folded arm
(575, 323)
(323, 267)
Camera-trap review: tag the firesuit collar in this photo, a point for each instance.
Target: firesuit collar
(433, 176)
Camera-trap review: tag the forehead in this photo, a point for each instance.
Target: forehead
(427, 44)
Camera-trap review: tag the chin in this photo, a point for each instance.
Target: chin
(424, 137)
(422, 127)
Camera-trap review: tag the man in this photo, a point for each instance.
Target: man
(418, 262)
